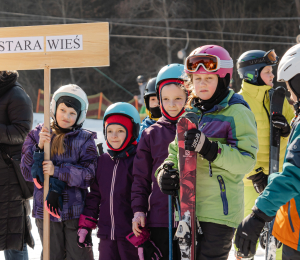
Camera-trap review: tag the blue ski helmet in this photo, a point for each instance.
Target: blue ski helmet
(125, 109)
(172, 71)
(250, 63)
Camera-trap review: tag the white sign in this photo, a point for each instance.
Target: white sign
(64, 43)
(22, 44)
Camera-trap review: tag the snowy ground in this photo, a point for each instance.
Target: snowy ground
(97, 126)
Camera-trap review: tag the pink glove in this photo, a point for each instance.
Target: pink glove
(84, 234)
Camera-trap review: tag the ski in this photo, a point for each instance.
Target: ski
(186, 231)
(276, 103)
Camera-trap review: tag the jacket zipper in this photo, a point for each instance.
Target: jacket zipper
(112, 188)
(290, 219)
(223, 194)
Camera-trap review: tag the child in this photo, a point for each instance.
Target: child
(227, 145)
(71, 170)
(255, 68)
(281, 196)
(152, 106)
(109, 199)
(152, 150)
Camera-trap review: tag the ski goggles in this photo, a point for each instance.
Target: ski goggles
(270, 58)
(209, 62)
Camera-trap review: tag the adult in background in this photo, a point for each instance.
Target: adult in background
(16, 119)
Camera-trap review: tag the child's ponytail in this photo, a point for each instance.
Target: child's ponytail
(191, 90)
(57, 146)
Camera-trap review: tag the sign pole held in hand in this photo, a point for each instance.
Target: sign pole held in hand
(52, 47)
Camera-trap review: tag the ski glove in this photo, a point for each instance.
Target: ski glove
(259, 180)
(196, 141)
(168, 179)
(249, 231)
(37, 169)
(279, 121)
(149, 251)
(84, 234)
(54, 200)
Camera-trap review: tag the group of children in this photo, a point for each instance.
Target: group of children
(129, 184)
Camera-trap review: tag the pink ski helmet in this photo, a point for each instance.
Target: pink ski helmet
(209, 59)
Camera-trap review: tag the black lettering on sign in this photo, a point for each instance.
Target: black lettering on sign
(8, 44)
(53, 44)
(27, 45)
(68, 42)
(1, 46)
(76, 41)
(62, 43)
(18, 46)
(37, 44)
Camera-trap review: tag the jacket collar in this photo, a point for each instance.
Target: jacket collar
(257, 92)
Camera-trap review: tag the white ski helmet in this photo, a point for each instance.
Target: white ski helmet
(289, 65)
(76, 92)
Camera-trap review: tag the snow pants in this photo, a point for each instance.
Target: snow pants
(63, 241)
(160, 237)
(289, 253)
(215, 242)
(117, 250)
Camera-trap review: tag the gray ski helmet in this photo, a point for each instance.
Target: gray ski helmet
(140, 79)
(250, 63)
(149, 91)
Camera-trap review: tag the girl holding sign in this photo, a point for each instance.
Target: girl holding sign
(71, 169)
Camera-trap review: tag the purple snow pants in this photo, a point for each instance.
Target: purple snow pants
(117, 250)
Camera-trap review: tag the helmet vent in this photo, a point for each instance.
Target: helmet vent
(288, 67)
(293, 54)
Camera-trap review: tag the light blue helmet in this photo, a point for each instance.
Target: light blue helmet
(172, 71)
(125, 109)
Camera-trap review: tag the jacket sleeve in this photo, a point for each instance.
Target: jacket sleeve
(288, 111)
(27, 156)
(82, 174)
(20, 116)
(238, 156)
(142, 171)
(172, 157)
(282, 186)
(92, 201)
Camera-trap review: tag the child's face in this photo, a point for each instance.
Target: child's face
(153, 101)
(115, 135)
(293, 96)
(267, 76)
(173, 99)
(205, 85)
(65, 116)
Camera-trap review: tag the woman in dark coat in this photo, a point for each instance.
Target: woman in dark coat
(16, 119)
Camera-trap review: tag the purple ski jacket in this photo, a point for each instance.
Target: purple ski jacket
(76, 167)
(152, 151)
(109, 198)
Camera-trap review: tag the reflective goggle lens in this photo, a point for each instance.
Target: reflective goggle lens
(271, 55)
(210, 63)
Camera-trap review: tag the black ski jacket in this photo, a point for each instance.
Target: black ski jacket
(16, 119)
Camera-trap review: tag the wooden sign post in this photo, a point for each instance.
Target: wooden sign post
(51, 47)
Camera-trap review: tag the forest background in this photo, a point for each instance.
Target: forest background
(145, 35)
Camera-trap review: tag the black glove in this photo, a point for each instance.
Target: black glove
(259, 180)
(196, 141)
(168, 179)
(279, 121)
(54, 200)
(151, 251)
(249, 231)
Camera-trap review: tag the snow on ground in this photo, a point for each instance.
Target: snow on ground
(96, 126)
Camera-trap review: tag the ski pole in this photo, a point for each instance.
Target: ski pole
(170, 227)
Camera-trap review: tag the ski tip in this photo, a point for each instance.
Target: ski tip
(191, 116)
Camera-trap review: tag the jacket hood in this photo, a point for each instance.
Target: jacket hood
(254, 91)
(231, 99)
